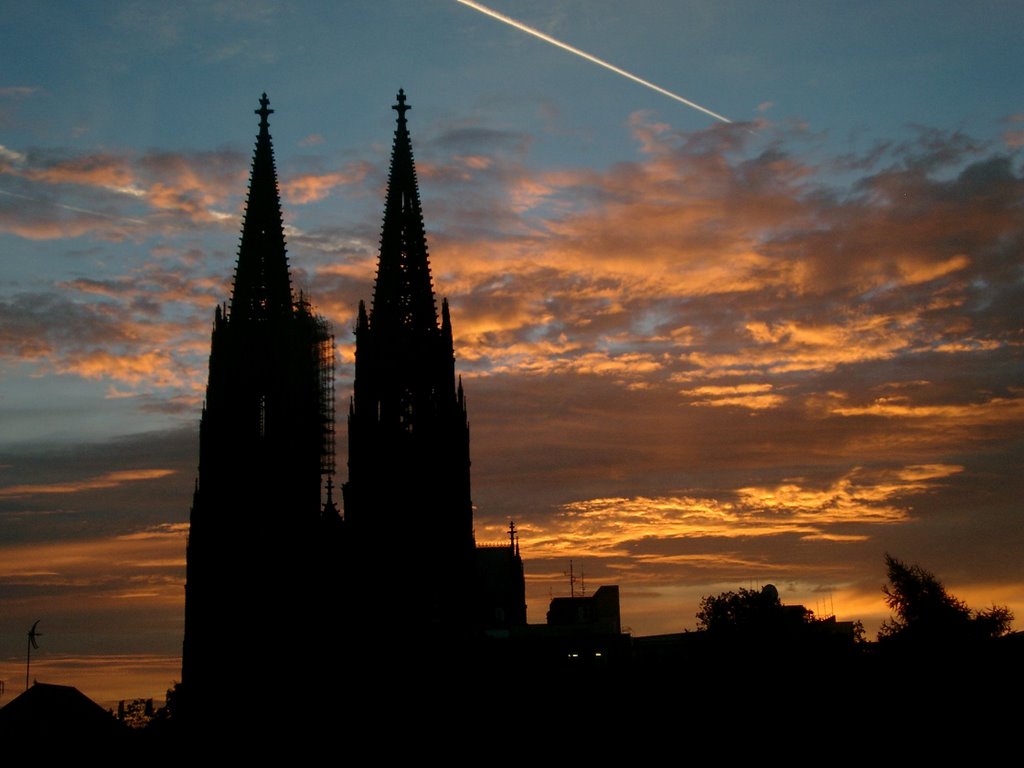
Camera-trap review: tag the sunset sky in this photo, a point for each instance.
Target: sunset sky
(698, 356)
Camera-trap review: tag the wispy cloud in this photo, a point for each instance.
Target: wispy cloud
(110, 189)
(105, 481)
(11, 156)
(753, 396)
(17, 90)
(309, 188)
(627, 526)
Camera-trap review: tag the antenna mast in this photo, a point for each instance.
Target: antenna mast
(32, 635)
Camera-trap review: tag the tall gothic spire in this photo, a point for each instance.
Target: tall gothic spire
(403, 296)
(408, 491)
(258, 544)
(262, 285)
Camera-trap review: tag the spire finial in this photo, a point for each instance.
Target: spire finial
(264, 111)
(401, 107)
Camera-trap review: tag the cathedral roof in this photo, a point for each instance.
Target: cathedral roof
(403, 297)
(262, 287)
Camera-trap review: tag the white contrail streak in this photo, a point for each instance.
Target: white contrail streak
(601, 62)
(71, 208)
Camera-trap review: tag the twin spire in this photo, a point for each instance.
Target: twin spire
(403, 297)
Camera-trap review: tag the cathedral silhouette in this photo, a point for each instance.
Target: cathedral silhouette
(272, 565)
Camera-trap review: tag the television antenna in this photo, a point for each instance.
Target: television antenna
(32, 635)
(572, 580)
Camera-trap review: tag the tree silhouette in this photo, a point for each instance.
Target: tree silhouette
(748, 611)
(924, 612)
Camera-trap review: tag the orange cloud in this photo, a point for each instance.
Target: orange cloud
(614, 527)
(77, 578)
(753, 396)
(690, 222)
(995, 410)
(107, 171)
(194, 186)
(161, 531)
(107, 480)
(156, 368)
(310, 188)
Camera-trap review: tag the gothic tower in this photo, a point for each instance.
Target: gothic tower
(408, 512)
(266, 439)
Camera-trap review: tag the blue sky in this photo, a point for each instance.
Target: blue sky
(698, 356)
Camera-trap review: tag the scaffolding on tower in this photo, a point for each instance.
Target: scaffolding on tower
(325, 343)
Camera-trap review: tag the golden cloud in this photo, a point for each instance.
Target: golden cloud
(310, 188)
(156, 368)
(997, 409)
(104, 481)
(622, 527)
(101, 568)
(106, 171)
(753, 396)
(193, 185)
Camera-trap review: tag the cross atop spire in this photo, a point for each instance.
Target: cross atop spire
(264, 112)
(401, 107)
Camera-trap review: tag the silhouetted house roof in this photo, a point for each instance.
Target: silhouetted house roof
(45, 713)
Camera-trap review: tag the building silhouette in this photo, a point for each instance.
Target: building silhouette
(47, 718)
(408, 510)
(265, 443)
(272, 565)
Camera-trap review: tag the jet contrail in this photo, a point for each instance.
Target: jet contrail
(566, 47)
(71, 208)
